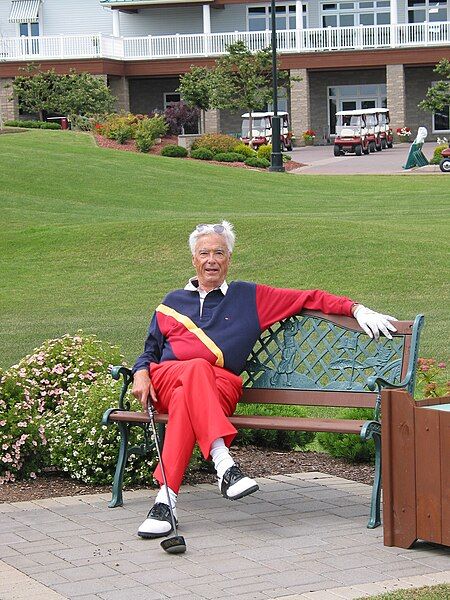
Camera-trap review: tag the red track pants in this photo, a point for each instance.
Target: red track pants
(198, 398)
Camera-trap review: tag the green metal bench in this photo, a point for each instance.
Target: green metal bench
(311, 359)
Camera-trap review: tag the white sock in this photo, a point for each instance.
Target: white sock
(221, 457)
(161, 496)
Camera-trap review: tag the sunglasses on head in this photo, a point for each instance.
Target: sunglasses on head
(217, 227)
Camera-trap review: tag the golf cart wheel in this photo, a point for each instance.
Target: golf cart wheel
(390, 144)
(384, 144)
(365, 149)
(444, 165)
(289, 147)
(358, 150)
(372, 147)
(337, 150)
(378, 146)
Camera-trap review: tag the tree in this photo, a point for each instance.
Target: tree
(243, 79)
(240, 79)
(195, 90)
(438, 96)
(70, 94)
(181, 118)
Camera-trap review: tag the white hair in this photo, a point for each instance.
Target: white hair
(208, 229)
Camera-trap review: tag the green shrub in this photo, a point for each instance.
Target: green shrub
(264, 151)
(244, 150)
(144, 141)
(202, 154)
(121, 133)
(174, 151)
(436, 159)
(35, 387)
(349, 446)
(260, 163)
(283, 440)
(82, 122)
(216, 142)
(153, 127)
(32, 124)
(229, 157)
(86, 450)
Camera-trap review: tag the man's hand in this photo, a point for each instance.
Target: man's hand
(143, 387)
(373, 323)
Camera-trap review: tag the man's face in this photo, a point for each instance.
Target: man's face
(211, 261)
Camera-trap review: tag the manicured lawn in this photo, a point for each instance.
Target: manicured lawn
(92, 239)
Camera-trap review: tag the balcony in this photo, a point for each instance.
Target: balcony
(215, 44)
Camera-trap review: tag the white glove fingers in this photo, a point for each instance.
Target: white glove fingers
(365, 328)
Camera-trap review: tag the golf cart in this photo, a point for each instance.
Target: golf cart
(387, 139)
(262, 130)
(351, 133)
(444, 165)
(373, 129)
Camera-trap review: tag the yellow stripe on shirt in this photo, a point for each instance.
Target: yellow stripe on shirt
(195, 330)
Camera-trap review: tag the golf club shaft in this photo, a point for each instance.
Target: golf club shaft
(161, 464)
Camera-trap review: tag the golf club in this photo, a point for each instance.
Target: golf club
(177, 543)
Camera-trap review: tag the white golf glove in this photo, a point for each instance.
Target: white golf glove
(373, 323)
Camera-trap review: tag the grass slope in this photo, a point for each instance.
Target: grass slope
(94, 238)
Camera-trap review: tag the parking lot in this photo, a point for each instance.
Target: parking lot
(320, 160)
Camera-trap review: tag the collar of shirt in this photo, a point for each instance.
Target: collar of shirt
(192, 286)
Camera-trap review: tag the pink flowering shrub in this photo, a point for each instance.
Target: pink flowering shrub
(431, 378)
(31, 390)
(84, 448)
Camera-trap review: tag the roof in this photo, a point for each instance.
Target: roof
(24, 11)
(263, 114)
(134, 4)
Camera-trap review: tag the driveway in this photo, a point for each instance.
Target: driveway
(320, 160)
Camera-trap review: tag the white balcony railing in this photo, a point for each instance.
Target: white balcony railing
(215, 44)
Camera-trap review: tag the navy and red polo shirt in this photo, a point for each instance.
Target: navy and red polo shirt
(226, 329)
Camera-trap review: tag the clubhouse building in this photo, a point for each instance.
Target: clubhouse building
(347, 54)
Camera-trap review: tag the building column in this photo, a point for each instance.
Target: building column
(9, 106)
(212, 121)
(300, 103)
(396, 96)
(116, 23)
(394, 12)
(206, 18)
(120, 89)
(299, 14)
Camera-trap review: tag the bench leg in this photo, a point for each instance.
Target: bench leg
(117, 497)
(375, 513)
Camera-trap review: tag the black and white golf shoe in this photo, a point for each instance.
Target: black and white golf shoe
(234, 484)
(158, 522)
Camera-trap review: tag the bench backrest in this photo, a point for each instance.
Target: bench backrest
(307, 358)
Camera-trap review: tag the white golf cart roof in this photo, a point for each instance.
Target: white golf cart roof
(260, 115)
(374, 111)
(351, 112)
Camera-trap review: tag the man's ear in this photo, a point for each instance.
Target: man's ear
(193, 260)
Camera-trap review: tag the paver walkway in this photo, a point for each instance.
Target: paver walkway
(301, 536)
(320, 160)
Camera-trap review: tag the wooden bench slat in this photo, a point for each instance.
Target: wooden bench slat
(308, 397)
(260, 422)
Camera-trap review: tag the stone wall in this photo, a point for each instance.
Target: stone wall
(300, 104)
(396, 95)
(148, 94)
(9, 108)
(120, 89)
(417, 81)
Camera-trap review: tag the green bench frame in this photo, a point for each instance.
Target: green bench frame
(311, 359)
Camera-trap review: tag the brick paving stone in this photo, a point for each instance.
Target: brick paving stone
(135, 593)
(359, 575)
(87, 572)
(48, 544)
(49, 578)
(82, 588)
(294, 578)
(20, 561)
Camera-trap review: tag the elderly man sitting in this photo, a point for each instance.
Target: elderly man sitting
(197, 345)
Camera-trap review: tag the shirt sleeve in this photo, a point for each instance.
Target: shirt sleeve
(273, 304)
(152, 348)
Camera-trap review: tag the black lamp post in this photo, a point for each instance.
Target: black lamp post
(276, 158)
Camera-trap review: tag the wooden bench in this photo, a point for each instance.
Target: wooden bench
(311, 359)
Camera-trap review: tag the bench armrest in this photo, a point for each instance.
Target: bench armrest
(127, 375)
(377, 383)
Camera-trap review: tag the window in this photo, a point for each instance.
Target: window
(351, 14)
(427, 11)
(29, 29)
(259, 17)
(352, 97)
(170, 98)
(441, 120)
